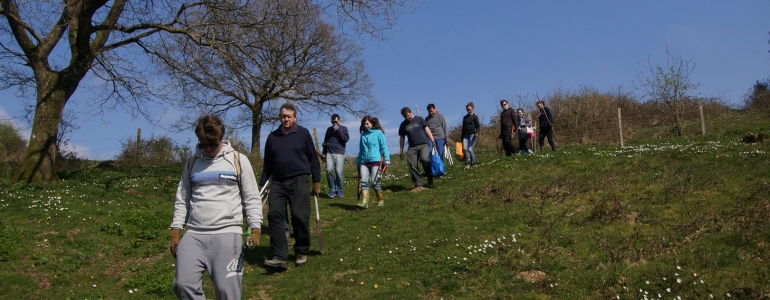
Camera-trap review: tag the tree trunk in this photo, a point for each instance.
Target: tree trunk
(39, 161)
(256, 127)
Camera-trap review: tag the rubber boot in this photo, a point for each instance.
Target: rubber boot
(364, 199)
(380, 200)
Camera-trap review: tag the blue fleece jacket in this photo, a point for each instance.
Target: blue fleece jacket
(372, 147)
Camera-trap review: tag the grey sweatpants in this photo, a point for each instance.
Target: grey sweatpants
(220, 254)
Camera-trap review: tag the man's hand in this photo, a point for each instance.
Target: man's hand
(253, 240)
(316, 188)
(174, 243)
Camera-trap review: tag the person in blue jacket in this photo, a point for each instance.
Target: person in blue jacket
(372, 157)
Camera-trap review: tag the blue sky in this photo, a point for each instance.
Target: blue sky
(453, 52)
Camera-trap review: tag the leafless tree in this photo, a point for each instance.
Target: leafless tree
(286, 53)
(49, 47)
(669, 85)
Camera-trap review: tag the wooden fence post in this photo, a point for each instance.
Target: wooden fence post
(702, 120)
(620, 127)
(137, 152)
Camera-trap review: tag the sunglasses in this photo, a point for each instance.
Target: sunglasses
(210, 146)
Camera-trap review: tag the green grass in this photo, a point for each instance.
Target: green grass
(676, 217)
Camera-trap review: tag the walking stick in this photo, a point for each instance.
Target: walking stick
(262, 193)
(318, 229)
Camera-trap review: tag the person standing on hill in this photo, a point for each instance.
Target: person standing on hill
(291, 159)
(334, 152)
(545, 121)
(373, 156)
(420, 138)
(210, 201)
(521, 123)
(471, 128)
(438, 128)
(506, 125)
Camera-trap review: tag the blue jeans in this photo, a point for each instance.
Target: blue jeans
(469, 141)
(375, 173)
(334, 164)
(440, 147)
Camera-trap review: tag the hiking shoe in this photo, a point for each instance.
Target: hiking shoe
(276, 263)
(339, 194)
(301, 260)
(332, 194)
(417, 189)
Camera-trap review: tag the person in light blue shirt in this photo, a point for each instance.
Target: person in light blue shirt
(373, 158)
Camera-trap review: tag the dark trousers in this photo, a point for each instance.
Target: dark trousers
(523, 145)
(296, 192)
(507, 144)
(546, 132)
(419, 154)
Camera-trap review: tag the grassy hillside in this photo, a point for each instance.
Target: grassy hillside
(664, 218)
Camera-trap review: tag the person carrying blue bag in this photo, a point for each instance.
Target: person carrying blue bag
(419, 136)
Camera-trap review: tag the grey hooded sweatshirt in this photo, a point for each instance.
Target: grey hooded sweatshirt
(209, 199)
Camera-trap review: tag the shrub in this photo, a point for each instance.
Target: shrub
(153, 151)
(12, 148)
(759, 97)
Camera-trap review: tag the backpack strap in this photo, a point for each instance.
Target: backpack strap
(237, 164)
(190, 163)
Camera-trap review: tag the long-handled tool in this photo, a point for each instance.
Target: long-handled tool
(358, 187)
(318, 229)
(263, 194)
(448, 157)
(264, 190)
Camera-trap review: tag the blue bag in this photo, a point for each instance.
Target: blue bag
(436, 164)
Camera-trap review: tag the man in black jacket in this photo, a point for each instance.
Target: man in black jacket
(507, 118)
(290, 158)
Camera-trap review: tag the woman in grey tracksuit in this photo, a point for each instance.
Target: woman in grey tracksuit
(210, 201)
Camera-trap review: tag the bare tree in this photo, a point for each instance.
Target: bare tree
(48, 48)
(669, 85)
(286, 53)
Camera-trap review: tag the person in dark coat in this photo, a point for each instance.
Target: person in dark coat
(545, 120)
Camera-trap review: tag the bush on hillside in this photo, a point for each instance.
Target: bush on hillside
(153, 151)
(589, 116)
(12, 148)
(758, 99)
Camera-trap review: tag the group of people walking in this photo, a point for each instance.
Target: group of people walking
(514, 124)
(218, 188)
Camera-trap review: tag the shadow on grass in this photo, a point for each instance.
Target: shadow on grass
(347, 207)
(395, 188)
(256, 258)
